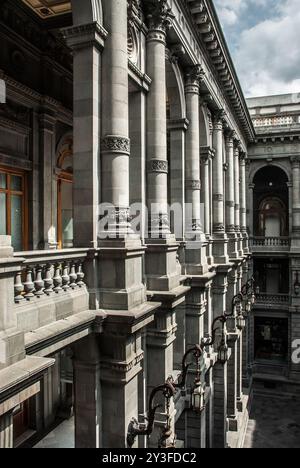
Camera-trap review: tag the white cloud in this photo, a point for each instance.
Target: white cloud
(266, 55)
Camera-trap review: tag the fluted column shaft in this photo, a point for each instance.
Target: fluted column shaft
(159, 21)
(192, 159)
(115, 145)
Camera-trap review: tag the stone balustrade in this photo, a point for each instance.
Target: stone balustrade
(272, 299)
(49, 272)
(270, 242)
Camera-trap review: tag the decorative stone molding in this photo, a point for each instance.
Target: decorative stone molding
(218, 227)
(230, 204)
(158, 165)
(207, 153)
(159, 221)
(193, 184)
(218, 197)
(115, 144)
(295, 161)
(160, 19)
(178, 124)
(194, 76)
(230, 228)
(133, 45)
(84, 35)
(218, 120)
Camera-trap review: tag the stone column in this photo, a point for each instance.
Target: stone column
(237, 199)
(157, 166)
(230, 198)
(219, 236)
(87, 42)
(296, 202)
(6, 431)
(243, 203)
(207, 155)
(161, 263)
(196, 260)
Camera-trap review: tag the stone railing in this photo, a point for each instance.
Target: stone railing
(44, 273)
(272, 299)
(282, 242)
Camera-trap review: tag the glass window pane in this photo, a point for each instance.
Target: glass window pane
(2, 180)
(67, 214)
(16, 183)
(16, 222)
(2, 214)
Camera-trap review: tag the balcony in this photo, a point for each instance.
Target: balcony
(272, 300)
(270, 244)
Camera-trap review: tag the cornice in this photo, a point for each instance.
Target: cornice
(205, 18)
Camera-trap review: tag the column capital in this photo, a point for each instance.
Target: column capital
(229, 138)
(295, 161)
(206, 153)
(84, 35)
(194, 75)
(160, 19)
(218, 120)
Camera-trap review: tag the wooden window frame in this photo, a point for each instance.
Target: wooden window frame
(9, 172)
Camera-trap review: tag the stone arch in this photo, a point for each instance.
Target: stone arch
(205, 134)
(89, 11)
(253, 173)
(175, 91)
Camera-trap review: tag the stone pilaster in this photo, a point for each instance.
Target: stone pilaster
(230, 198)
(243, 204)
(232, 382)
(87, 391)
(220, 406)
(196, 260)
(220, 240)
(237, 199)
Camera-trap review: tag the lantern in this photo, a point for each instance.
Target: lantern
(198, 397)
(241, 322)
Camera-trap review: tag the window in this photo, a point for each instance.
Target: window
(13, 207)
(271, 339)
(65, 194)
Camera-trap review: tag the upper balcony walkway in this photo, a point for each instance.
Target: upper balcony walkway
(270, 244)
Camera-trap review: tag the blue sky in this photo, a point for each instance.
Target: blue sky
(264, 39)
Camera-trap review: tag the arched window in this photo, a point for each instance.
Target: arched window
(65, 194)
(273, 218)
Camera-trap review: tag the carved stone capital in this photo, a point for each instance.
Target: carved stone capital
(92, 34)
(159, 166)
(219, 227)
(115, 144)
(160, 19)
(218, 120)
(295, 161)
(194, 76)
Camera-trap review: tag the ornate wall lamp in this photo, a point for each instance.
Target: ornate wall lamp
(297, 285)
(167, 390)
(222, 348)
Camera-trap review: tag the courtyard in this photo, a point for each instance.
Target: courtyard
(274, 423)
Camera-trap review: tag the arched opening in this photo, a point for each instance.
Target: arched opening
(65, 193)
(271, 203)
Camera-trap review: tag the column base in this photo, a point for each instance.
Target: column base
(163, 270)
(232, 245)
(220, 248)
(196, 259)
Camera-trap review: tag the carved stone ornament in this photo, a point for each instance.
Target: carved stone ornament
(115, 144)
(193, 184)
(159, 15)
(158, 165)
(219, 227)
(218, 197)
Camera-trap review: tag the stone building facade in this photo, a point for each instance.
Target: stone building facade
(116, 111)
(274, 192)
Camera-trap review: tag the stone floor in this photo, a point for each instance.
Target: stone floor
(274, 423)
(61, 437)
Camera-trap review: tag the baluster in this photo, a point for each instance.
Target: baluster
(73, 276)
(65, 276)
(80, 275)
(57, 279)
(19, 288)
(39, 283)
(29, 285)
(48, 281)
